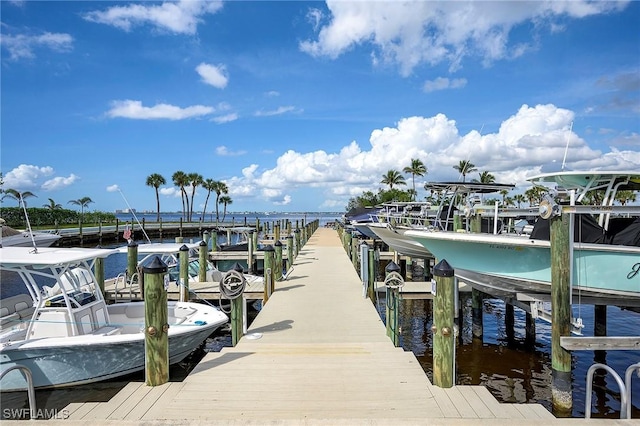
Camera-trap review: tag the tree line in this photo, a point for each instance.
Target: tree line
(395, 178)
(192, 181)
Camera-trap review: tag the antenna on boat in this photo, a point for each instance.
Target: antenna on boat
(134, 215)
(33, 240)
(566, 149)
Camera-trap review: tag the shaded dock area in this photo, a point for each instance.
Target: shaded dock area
(316, 353)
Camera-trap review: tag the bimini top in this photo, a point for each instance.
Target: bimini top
(469, 187)
(48, 257)
(591, 180)
(160, 248)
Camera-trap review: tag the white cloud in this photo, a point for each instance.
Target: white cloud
(418, 32)
(227, 118)
(26, 177)
(213, 75)
(22, 46)
(278, 111)
(223, 151)
(180, 17)
(284, 201)
(442, 83)
(529, 142)
(59, 182)
(135, 110)
(170, 192)
(113, 188)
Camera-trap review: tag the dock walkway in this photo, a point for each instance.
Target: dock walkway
(317, 353)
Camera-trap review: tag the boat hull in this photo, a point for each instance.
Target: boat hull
(42, 239)
(519, 263)
(77, 360)
(398, 241)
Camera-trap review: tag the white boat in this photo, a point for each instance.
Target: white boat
(394, 219)
(606, 256)
(14, 238)
(170, 254)
(70, 335)
(395, 238)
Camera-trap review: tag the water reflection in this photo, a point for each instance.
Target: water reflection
(514, 368)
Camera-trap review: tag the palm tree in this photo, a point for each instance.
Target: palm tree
(624, 197)
(52, 205)
(180, 180)
(219, 188)
(225, 200)
(417, 168)
(520, 198)
(486, 177)
(156, 180)
(208, 184)
(17, 195)
(534, 195)
(82, 202)
(504, 193)
(465, 167)
(195, 180)
(393, 177)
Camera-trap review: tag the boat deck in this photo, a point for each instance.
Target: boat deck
(317, 353)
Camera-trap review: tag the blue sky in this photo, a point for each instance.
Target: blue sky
(299, 106)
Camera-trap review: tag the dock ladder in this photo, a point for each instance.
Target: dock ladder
(625, 388)
(30, 390)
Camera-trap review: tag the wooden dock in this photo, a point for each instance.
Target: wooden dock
(317, 353)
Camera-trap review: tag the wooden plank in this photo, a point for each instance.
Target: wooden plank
(105, 409)
(500, 411)
(82, 410)
(446, 405)
(130, 403)
(475, 402)
(586, 343)
(150, 398)
(461, 402)
(533, 411)
(165, 399)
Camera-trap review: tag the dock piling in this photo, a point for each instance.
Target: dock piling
(561, 393)
(442, 328)
(277, 276)
(156, 314)
(184, 273)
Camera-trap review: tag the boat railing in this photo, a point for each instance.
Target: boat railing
(30, 389)
(625, 388)
(123, 282)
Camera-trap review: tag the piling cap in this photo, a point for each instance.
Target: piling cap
(202, 243)
(443, 269)
(132, 244)
(269, 247)
(184, 248)
(206, 232)
(392, 267)
(155, 266)
(364, 243)
(238, 268)
(278, 244)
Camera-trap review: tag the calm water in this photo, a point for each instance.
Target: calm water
(512, 370)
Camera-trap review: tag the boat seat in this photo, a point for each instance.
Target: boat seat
(9, 320)
(108, 330)
(20, 306)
